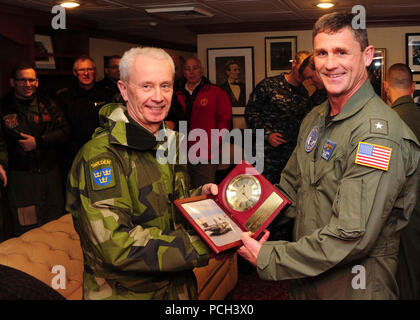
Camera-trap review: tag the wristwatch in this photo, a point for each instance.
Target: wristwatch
(243, 192)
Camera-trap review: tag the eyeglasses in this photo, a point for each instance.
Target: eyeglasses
(22, 81)
(81, 71)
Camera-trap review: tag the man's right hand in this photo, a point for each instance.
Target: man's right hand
(276, 139)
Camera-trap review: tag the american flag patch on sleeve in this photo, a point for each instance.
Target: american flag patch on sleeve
(373, 155)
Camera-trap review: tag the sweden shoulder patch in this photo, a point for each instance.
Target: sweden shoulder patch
(373, 155)
(102, 174)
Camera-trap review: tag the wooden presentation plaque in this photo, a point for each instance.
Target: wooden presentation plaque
(246, 202)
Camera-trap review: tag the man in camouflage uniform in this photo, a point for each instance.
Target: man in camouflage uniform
(352, 180)
(278, 105)
(33, 127)
(121, 196)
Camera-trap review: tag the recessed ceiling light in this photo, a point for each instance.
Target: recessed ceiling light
(325, 5)
(69, 5)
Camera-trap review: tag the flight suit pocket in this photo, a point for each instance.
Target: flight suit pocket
(351, 218)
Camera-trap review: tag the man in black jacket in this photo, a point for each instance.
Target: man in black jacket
(33, 126)
(81, 105)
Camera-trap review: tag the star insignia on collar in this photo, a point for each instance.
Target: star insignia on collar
(378, 125)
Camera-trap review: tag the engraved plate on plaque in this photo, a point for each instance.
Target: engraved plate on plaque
(263, 212)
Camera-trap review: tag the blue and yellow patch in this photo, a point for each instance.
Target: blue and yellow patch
(102, 174)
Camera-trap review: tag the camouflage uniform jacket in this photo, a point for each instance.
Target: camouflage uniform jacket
(348, 216)
(120, 196)
(277, 107)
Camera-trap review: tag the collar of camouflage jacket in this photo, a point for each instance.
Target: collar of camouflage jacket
(123, 130)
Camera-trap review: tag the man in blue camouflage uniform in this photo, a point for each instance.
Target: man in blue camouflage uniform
(278, 105)
(121, 196)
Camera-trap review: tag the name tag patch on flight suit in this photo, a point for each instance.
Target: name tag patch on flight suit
(328, 149)
(312, 139)
(102, 174)
(373, 155)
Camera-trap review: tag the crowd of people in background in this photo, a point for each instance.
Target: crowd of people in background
(42, 134)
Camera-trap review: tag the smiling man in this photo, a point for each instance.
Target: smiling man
(33, 128)
(121, 196)
(352, 180)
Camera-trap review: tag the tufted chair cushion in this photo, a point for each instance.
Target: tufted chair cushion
(37, 251)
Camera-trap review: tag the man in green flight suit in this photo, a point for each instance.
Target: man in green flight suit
(399, 88)
(352, 180)
(121, 195)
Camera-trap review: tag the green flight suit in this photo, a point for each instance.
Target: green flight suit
(121, 198)
(348, 217)
(408, 273)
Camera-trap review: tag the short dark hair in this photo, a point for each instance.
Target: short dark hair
(108, 59)
(399, 75)
(22, 65)
(333, 22)
(309, 61)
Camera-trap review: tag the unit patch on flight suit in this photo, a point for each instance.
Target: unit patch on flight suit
(328, 149)
(312, 139)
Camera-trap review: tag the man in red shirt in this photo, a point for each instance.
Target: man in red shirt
(204, 106)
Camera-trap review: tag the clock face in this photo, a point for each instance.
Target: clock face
(243, 192)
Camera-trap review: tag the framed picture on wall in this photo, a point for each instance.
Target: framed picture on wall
(416, 94)
(232, 69)
(377, 71)
(412, 47)
(44, 58)
(279, 54)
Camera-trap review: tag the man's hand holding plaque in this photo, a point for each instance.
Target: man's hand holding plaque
(245, 201)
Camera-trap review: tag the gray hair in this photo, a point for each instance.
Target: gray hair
(129, 56)
(81, 58)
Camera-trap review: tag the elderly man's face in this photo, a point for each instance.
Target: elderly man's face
(148, 92)
(85, 72)
(193, 71)
(340, 61)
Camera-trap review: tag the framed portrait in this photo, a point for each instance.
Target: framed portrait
(279, 54)
(416, 94)
(412, 47)
(44, 58)
(232, 69)
(377, 71)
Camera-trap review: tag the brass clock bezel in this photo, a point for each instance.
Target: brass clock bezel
(231, 195)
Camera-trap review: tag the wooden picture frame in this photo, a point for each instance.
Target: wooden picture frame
(377, 72)
(232, 69)
(279, 54)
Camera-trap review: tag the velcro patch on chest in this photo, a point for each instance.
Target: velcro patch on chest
(102, 174)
